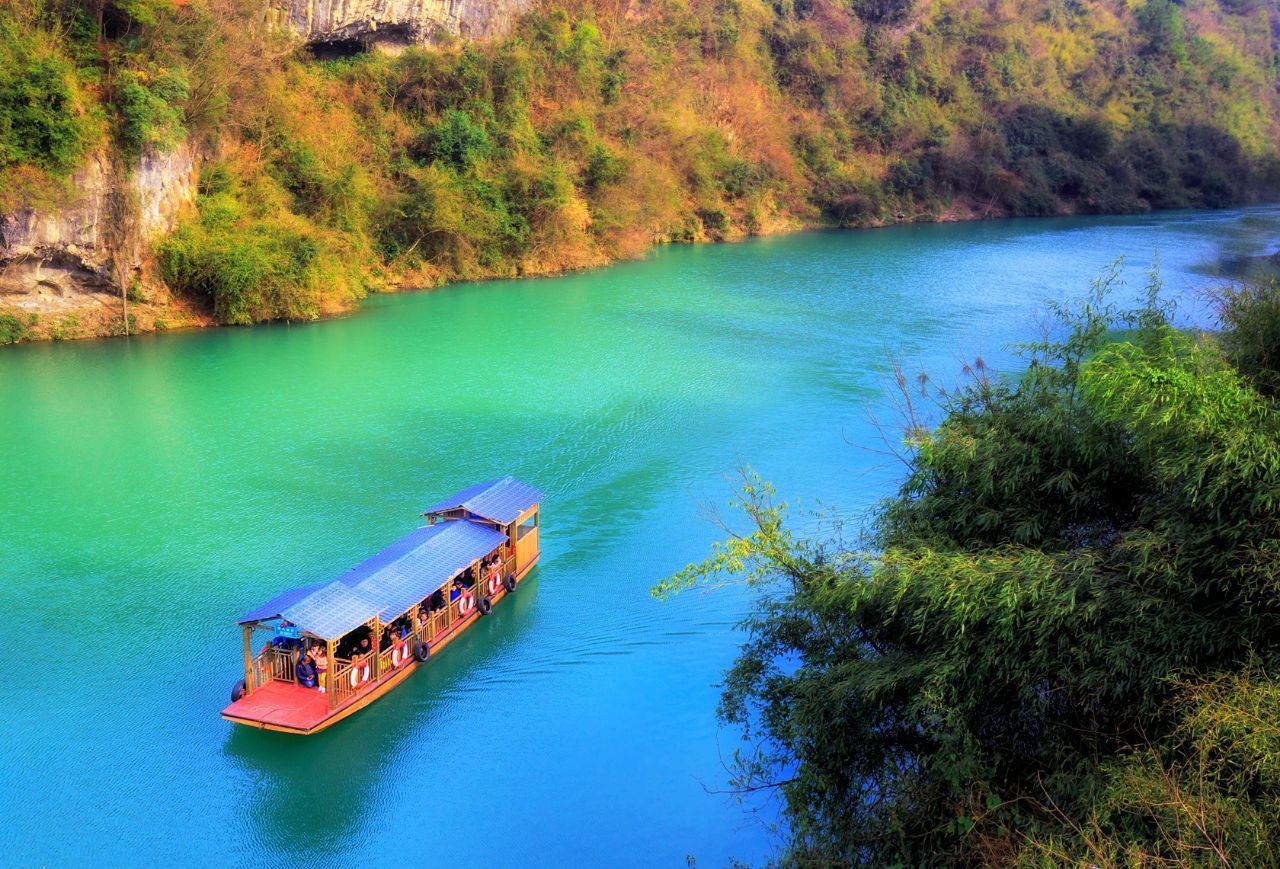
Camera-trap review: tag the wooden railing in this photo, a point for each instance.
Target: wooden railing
(275, 663)
(436, 622)
(340, 681)
(284, 665)
(396, 654)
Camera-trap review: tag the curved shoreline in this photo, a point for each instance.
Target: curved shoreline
(103, 310)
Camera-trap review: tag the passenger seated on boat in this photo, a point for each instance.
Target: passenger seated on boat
(437, 599)
(363, 658)
(455, 589)
(308, 676)
(397, 631)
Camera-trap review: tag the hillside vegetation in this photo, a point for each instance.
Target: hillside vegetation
(598, 128)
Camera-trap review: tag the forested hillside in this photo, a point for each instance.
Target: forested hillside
(596, 129)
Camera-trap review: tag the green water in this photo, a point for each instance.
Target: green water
(153, 489)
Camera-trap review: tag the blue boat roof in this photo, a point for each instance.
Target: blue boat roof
(280, 603)
(435, 554)
(332, 611)
(387, 584)
(498, 501)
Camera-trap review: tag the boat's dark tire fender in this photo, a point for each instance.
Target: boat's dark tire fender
(237, 691)
(484, 606)
(421, 651)
(509, 583)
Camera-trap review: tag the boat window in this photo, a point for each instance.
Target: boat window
(527, 526)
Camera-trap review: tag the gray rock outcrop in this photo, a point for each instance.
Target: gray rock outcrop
(390, 24)
(51, 258)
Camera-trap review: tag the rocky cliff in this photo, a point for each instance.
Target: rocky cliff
(72, 260)
(389, 24)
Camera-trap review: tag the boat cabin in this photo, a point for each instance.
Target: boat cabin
(318, 653)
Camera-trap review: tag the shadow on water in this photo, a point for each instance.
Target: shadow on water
(315, 794)
(1249, 268)
(1247, 249)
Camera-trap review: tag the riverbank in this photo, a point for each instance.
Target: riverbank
(51, 314)
(100, 315)
(210, 169)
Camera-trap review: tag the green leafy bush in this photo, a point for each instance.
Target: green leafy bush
(15, 328)
(603, 168)
(457, 140)
(42, 120)
(151, 107)
(251, 259)
(1161, 23)
(256, 271)
(1250, 314)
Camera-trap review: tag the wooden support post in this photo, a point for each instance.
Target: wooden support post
(330, 685)
(248, 658)
(377, 647)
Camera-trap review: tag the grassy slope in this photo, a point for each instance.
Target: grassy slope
(596, 130)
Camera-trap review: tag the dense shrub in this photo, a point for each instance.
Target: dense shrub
(1250, 315)
(883, 11)
(1054, 644)
(458, 141)
(1161, 23)
(253, 260)
(16, 327)
(43, 119)
(150, 104)
(255, 272)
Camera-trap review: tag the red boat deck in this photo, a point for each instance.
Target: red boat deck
(281, 704)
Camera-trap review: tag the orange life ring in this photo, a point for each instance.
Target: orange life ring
(466, 603)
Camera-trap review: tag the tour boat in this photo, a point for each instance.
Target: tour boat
(382, 619)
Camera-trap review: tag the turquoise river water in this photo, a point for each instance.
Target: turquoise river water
(153, 489)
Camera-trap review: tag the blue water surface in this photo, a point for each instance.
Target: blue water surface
(153, 489)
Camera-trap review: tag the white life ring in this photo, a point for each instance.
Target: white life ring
(466, 603)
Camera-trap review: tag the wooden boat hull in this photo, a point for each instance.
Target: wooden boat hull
(290, 708)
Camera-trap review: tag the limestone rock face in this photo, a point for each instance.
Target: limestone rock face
(50, 257)
(389, 24)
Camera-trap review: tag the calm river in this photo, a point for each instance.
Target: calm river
(151, 490)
